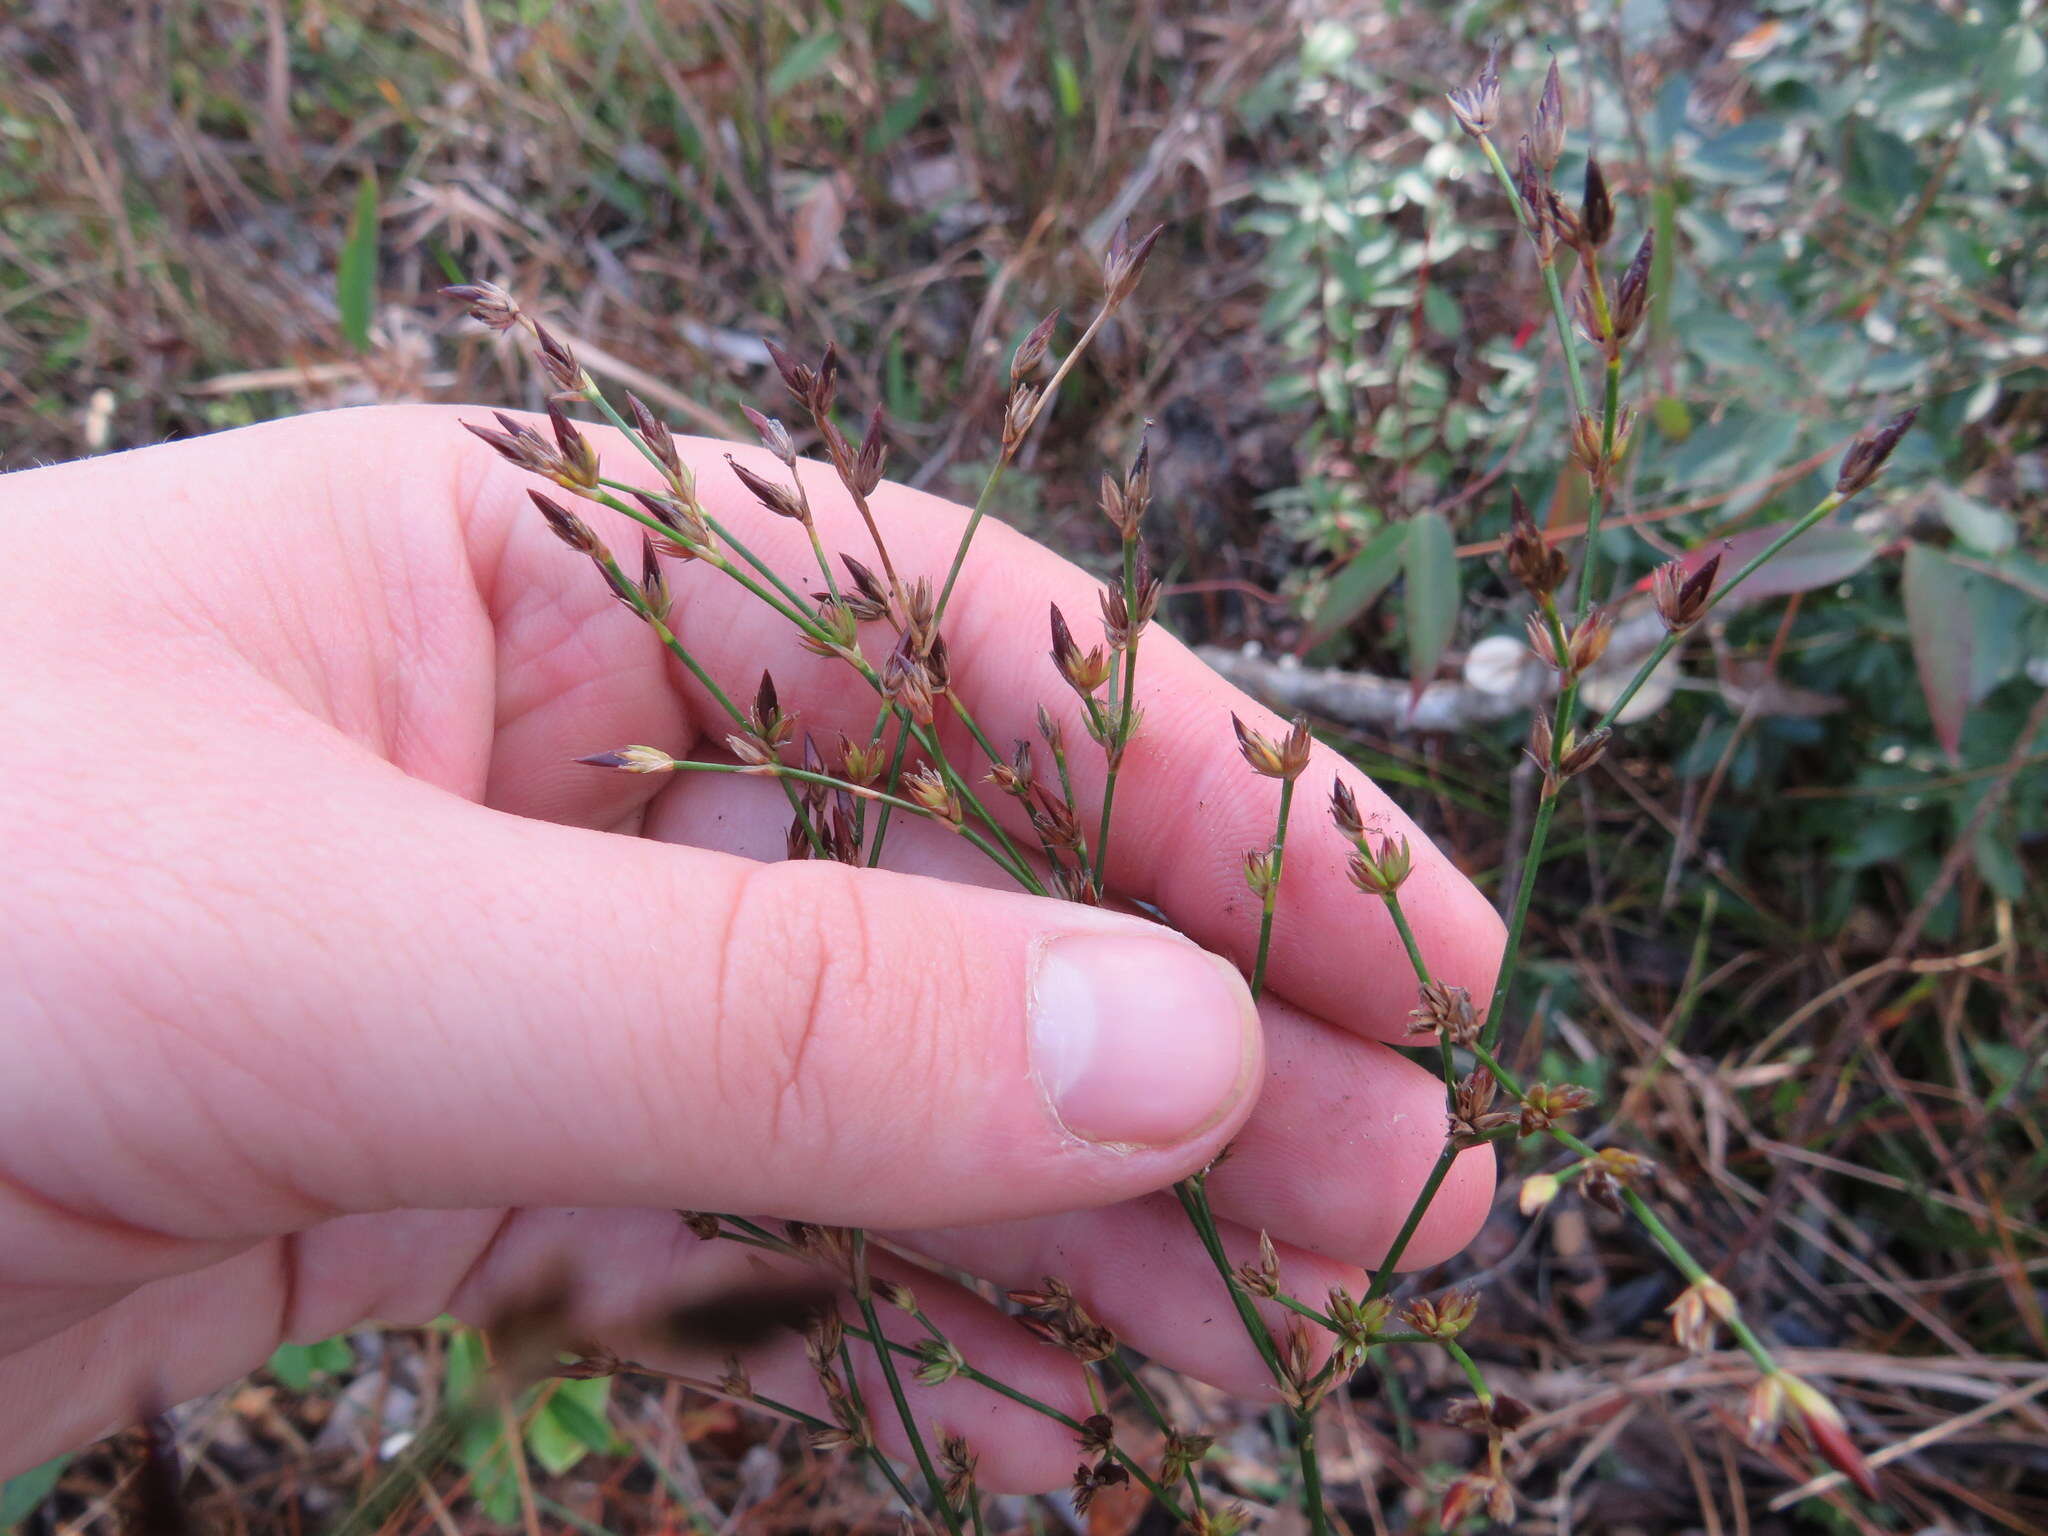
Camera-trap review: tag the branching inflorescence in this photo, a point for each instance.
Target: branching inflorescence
(843, 795)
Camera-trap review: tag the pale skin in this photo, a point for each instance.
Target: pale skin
(332, 989)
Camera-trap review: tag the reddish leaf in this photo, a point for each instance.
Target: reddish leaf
(1431, 564)
(1943, 627)
(1820, 557)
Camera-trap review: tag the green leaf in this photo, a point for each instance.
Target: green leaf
(1879, 169)
(1431, 562)
(572, 1425)
(806, 59)
(1358, 585)
(292, 1364)
(1980, 526)
(486, 1450)
(900, 118)
(355, 279)
(22, 1494)
(1938, 616)
(1067, 85)
(295, 1365)
(1673, 417)
(1820, 557)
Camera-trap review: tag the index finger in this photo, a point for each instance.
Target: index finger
(1186, 806)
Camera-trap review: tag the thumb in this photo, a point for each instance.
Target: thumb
(432, 1004)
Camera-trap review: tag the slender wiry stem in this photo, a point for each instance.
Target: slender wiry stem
(1022, 1399)
(1119, 742)
(1820, 510)
(1194, 1199)
(1128, 1373)
(1610, 415)
(1008, 452)
(863, 1298)
(1021, 873)
(1523, 217)
(1271, 897)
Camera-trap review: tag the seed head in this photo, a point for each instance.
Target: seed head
(1596, 208)
(487, 303)
(1445, 1008)
(1581, 755)
(735, 1382)
(559, 363)
(655, 596)
(1473, 1118)
(1537, 565)
(1359, 1323)
(1867, 455)
(1344, 810)
(1632, 292)
(1497, 1416)
(866, 471)
(566, 525)
(1261, 873)
(1284, 759)
(1682, 599)
(1444, 1318)
(1125, 503)
(869, 600)
(1532, 186)
(1824, 1426)
(1123, 262)
(773, 434)
(1262, 1278)
(1609, 1173)
(1587, 642)
(1379, 871)
(1031, 351)
(937, 1362)
(1182, 1452)
(778, 499)
(1084, 672)
(1471, 1492)
(1547, 138)
(1765, 1408)
(1545, 1104)
(1089, 1481)
(957, 1462)
(932, 790)
(1475, 105)
(637, 760)
(1699, 1308)
(578, 455)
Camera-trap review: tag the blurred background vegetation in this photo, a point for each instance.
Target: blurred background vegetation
(1791, 929)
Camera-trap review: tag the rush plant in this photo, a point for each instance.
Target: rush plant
(887, 625)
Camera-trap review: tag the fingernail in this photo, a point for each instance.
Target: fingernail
(1140, 1041)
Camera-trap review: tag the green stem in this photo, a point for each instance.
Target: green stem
(1383, 1275)
(863, 1297)
(1195, 1201)
(1003, 457)
(1017, 872)
(1821, 509)
(1130, 1463)
(1550, 283)
(1610, 414)
(1272, 896)
(1311, 1473)
(1122, 738)
(1470, 1367)
(895, 778)
(1129, 1375)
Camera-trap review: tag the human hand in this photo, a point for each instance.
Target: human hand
(327, 998)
